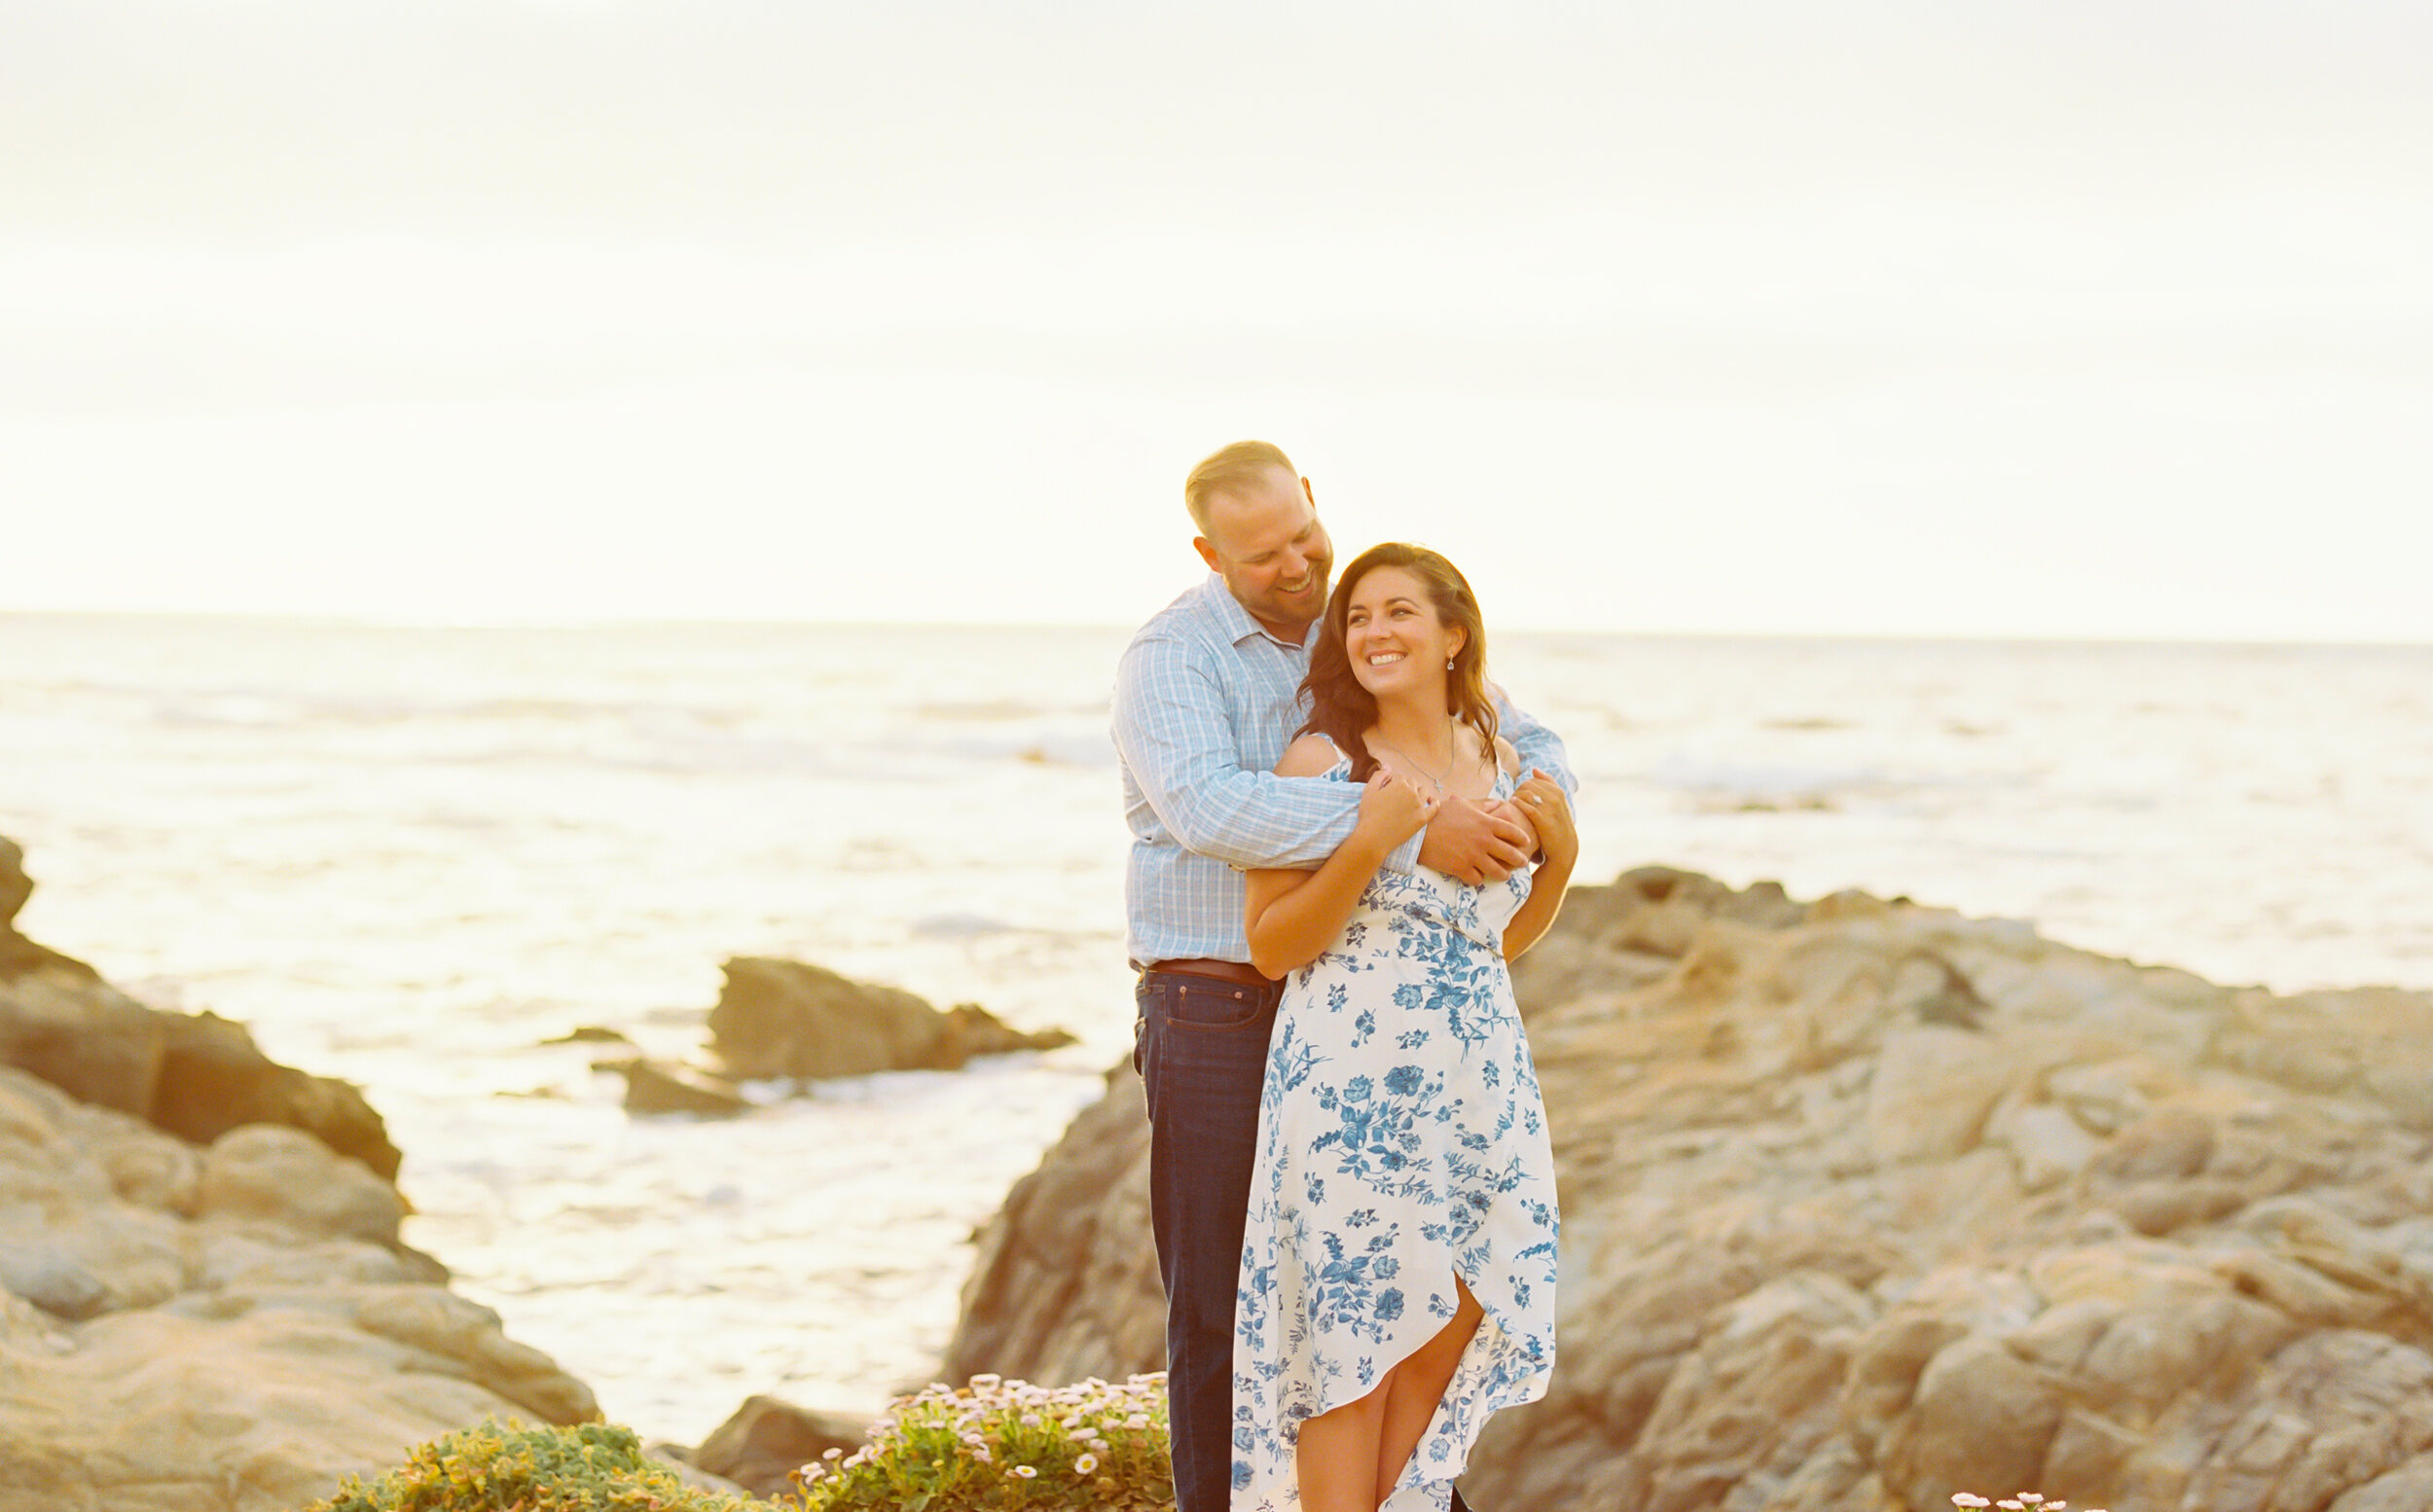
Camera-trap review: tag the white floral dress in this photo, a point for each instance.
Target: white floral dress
(1401, 1139)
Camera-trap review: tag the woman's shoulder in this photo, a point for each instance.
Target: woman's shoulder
(1311, 755)
(1507, 757)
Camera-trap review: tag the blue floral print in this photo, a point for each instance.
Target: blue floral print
(1401, 1141)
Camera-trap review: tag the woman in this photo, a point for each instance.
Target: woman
(1397, 1270)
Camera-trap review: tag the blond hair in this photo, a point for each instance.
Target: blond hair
(1228, 469)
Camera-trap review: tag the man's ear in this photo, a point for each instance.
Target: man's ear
(1208, 553)
(1307, 495)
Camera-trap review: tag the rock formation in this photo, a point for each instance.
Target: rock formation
(197, 1076)
(227, 1329)
(210, 1311)
(767, 1440)
(1065, 1284)
(1866, 1204)
(784, 1017)
(664, 1086)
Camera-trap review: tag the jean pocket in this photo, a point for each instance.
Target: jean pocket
(1214, 1005)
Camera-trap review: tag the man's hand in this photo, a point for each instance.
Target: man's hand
(1510, 808)
(1474, 842)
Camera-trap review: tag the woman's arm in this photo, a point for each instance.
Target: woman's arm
(1295, 916)
(1551, 812)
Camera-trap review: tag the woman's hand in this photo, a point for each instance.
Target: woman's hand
(1394, 808)
(1293, 915)
(1549, 812)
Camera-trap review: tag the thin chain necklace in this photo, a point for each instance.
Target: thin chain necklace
(1452, 754)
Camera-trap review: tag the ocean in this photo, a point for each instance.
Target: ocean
(412, 856)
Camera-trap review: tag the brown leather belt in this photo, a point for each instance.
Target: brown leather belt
(1222, 970)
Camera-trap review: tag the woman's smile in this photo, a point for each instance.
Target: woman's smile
(1392, 631)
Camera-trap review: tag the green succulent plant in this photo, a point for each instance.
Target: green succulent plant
(490, 1467)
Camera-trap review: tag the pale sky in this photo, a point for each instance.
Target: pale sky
(1948, 319)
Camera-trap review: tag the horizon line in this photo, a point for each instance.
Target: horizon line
(321, 619)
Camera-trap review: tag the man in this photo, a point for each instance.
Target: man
(1207, 697)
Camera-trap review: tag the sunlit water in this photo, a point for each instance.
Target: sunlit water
(409, 857)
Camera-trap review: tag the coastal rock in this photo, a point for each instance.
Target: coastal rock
(785, 1018)
(1062, 1282)
(15, 885)
(197, 1076)
(767, 1440)
(200, 1311)
(590, 1034)
(285, 1176)
(658, 1087)
(1866, 1203)
(232, 1340)
(18, 954)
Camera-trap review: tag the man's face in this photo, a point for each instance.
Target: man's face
(1265, 540)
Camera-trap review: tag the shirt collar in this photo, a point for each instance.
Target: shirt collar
(1237, 622)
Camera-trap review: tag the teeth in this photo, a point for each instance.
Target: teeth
(1385, 659)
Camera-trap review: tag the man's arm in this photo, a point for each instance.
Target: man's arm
(1177, 736)
(1478, 843)
(1540, 748)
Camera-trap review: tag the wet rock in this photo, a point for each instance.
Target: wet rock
(590, 1034)
(784, 1017)
(659, 1087)
(1866, 1203)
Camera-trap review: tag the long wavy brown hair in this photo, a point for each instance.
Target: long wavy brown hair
(1340, 708)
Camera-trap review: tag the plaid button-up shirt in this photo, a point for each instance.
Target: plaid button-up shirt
(1206, 702)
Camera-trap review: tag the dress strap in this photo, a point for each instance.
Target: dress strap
(1342, 769)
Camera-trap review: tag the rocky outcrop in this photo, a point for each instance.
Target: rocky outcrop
(787, 1019)
(200, 1311)
(197, 1076)
(1065, 1284)
(767, 1440)
(666, 1087)
(784, 1017)
(226, 1328)
(1866, 1203)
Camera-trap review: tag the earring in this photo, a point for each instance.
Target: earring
(1448, 663)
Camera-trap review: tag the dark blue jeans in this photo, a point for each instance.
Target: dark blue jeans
(1201, 1047)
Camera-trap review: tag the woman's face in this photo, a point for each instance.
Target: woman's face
(1394, 635)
